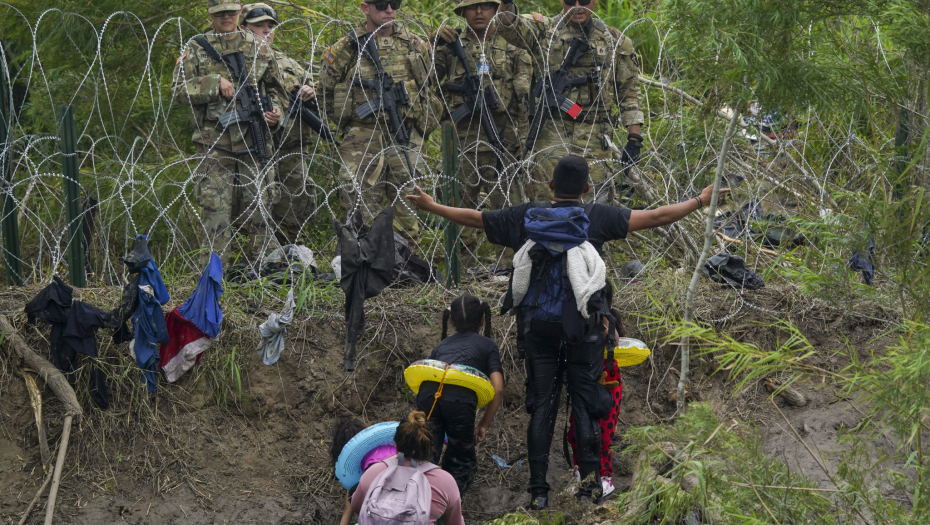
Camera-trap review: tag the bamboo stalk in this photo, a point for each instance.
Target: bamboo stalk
(708, 240)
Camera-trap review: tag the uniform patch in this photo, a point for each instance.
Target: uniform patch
(601, 50)
(180, 58)
(329, 56)
(539, 18)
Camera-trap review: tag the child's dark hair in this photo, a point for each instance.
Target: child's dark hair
(413, 438)
(467, 312)
(345, 431)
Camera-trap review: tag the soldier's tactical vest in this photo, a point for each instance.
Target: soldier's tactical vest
(511, 91)
(401, 60)
(600, 55)
(207, 121)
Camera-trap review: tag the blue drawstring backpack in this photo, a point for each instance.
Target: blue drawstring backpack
(555, 231)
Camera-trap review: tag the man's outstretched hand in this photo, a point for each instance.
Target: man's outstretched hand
(421, 199)
(707, 192)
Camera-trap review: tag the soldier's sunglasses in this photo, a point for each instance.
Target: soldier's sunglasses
(261, 11)
(580, 2)
(485, 6)
(225, 14)
(381, 5)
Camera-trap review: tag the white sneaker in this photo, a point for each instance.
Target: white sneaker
(607, 486)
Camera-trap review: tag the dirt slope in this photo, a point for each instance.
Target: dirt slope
(186, 457)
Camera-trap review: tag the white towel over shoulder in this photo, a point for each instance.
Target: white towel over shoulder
(587, 273)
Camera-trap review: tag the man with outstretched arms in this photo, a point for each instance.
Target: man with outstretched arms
(297, 200)
(225, 76)
(569, 343)
(487, 118)
(599, 91)
(375, 89)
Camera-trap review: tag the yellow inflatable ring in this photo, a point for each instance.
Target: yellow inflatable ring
(629, 352)
(459, 375)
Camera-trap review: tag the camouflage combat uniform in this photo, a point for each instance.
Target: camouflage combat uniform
(297, 200)
(616, 95)
(231, 188)
(509, 71)
(373, 170)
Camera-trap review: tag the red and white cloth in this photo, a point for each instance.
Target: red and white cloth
(185, 344)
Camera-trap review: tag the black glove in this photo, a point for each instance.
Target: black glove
(631, 150)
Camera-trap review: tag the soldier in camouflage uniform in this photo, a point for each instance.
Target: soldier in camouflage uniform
(297, 200)
(615, 95)
(374, 170)
(232, 188)
(507, 69)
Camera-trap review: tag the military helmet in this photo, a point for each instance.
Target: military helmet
(255, 13)
(465, 3)
(216, 6)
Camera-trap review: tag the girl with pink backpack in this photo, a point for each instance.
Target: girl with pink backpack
(408, 489)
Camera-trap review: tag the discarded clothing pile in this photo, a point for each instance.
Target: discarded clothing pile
(726, 268)
(74, 329)
(287, 264)
(184, 333)
(751, 223)
(861, 261)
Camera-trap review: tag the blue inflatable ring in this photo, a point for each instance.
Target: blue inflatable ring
(349, 464)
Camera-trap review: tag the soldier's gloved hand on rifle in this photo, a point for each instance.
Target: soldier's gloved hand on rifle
(306, 93)
(634, 143)
(227, 89)
(272, 117)
(507, 12)
(445, 34)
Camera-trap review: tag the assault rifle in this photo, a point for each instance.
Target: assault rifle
(308, 117)
(476, 99)
(550, 89)
(388, 94)
(250, 105)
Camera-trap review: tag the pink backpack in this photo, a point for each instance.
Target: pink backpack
(400, 494)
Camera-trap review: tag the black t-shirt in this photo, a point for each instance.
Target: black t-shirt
(505, 227)
(464, 348)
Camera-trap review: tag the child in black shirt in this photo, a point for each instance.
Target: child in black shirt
(453, 412)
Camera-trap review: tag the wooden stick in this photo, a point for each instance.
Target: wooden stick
(56, 478)
(782, 487)
(48, 478)
(52, 376)
(737, 241)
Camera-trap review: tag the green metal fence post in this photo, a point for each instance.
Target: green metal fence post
(10, 228)
(450, 191)
(69, 165)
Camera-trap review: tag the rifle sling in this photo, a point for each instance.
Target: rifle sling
(208, 47)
